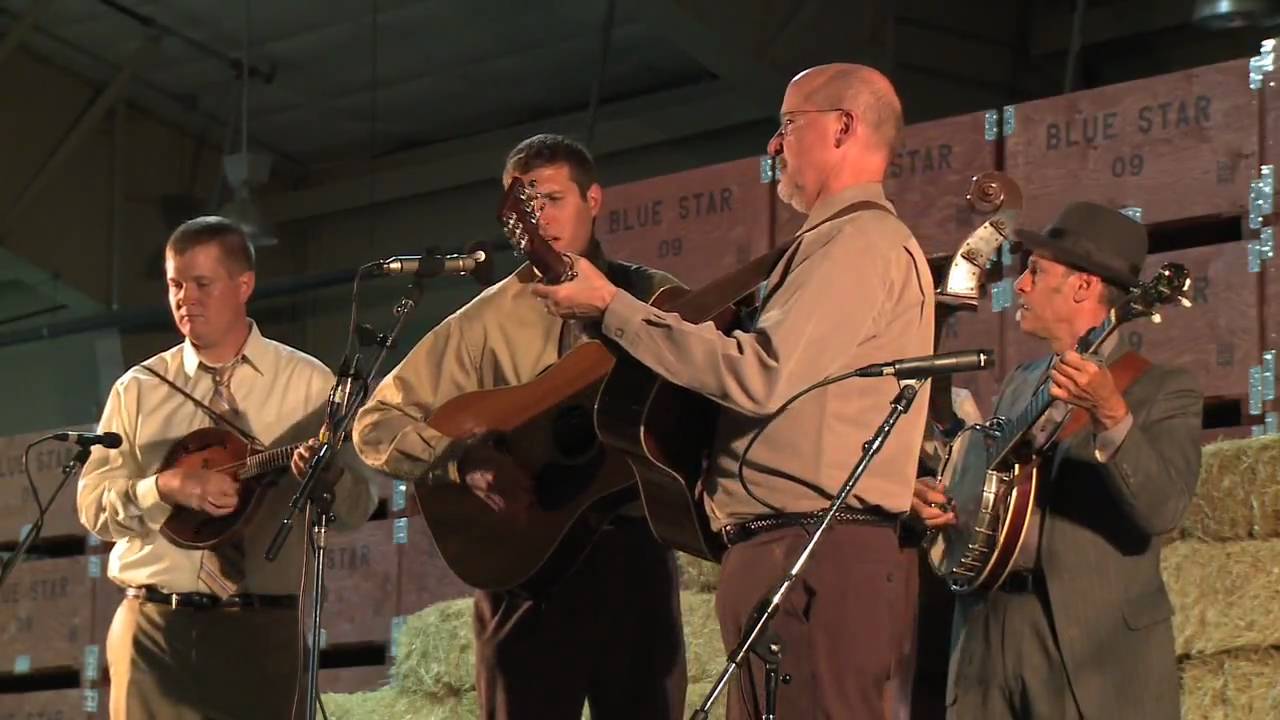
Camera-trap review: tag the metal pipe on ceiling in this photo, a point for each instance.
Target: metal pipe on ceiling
(234, 63)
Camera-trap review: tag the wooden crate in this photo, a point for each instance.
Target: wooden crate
(424, 578)
(697, 225)
(17, 507)
(927, 181)
(360, 583)
(1216, 339)
(46, 615)
(354, 679)
(1177, 146)
(49, 705)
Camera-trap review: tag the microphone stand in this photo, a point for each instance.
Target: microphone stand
(768, 607)
(71, 468)
(320, 496)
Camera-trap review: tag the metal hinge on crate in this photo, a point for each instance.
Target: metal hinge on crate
(397, 624)
(22, 665)
(400, 531)
(1262, 382)
(1262, 194)
(1262, 250)
(398, 495)
(1010, 122)
(91, 655)
(991, 125)
(1001, 295)
(1134, 213)
(91, 700)
(768, 168)
(1262, 63)
(1270, 425)
(94, 566)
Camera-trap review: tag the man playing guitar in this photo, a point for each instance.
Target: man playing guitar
(1080, 627)
(214, 632)
(540, 657)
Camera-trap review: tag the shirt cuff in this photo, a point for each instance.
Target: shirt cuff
(1108, 441)
(624, 314)
(154, 509)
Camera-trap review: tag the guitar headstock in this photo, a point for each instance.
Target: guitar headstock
(519, 214)
(1171, 284)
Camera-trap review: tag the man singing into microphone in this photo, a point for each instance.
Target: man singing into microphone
(609, 634)
(208, 634)
(854, 289)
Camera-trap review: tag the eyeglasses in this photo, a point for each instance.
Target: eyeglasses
(788, 121)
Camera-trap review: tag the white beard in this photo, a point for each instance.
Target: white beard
(790, 194)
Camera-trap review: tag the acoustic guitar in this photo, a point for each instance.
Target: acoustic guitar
(582, 437)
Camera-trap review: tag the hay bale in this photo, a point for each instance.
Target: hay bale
(698, 575)
(1236, 685)
(1239, 493)
(1224, 594)
(436, 652)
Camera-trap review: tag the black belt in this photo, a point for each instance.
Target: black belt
(741, 532)
(1022, 581)
(208, 601)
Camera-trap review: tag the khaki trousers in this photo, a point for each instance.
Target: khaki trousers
(193, 664)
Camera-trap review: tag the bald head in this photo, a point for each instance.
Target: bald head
(863, 90)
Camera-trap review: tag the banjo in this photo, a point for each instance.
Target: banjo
(990, 470)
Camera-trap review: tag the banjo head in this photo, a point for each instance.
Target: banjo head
(958, 553)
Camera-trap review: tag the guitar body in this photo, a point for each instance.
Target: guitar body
(547, 426)
(666, 432)
(210, 448)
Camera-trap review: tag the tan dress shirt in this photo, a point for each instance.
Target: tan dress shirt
(858, 292)
(281, 393)
(503, 337)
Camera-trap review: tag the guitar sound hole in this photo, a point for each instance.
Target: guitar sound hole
(573, 434)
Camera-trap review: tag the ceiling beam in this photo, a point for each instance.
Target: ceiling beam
(20, 29)
(1051, 32)
(623, 125)
(86, 123)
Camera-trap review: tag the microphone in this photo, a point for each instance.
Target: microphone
(425, 266)
(929, 365)
(108, 440)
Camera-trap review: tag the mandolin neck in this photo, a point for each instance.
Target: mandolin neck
(267, 461)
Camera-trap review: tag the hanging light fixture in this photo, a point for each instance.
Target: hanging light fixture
(1232, 14)
(244, 170)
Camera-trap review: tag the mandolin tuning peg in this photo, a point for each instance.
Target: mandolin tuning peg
(1185, 301)
(1156, 319)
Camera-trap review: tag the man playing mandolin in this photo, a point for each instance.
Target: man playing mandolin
(1080, 626)
(853, 289)
(609, 633)
(208, 633)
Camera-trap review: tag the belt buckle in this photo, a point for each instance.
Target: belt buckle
(173, 600)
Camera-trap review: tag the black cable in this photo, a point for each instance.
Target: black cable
(814, 488)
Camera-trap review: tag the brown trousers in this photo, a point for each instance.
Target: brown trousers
(188, 664)
(609, 636)
(846, 627)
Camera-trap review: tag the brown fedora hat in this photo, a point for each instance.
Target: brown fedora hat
(1095, 239)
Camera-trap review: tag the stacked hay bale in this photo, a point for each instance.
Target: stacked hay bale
(1223, 574)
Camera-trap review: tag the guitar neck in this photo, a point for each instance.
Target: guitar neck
(267, 461)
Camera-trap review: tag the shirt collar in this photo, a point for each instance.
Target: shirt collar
(254, 347)
(829, 205)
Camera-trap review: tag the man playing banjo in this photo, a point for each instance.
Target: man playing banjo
(1080, 626)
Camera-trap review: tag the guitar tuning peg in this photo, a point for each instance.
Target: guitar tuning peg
(1186, 301)
(1156, 319)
